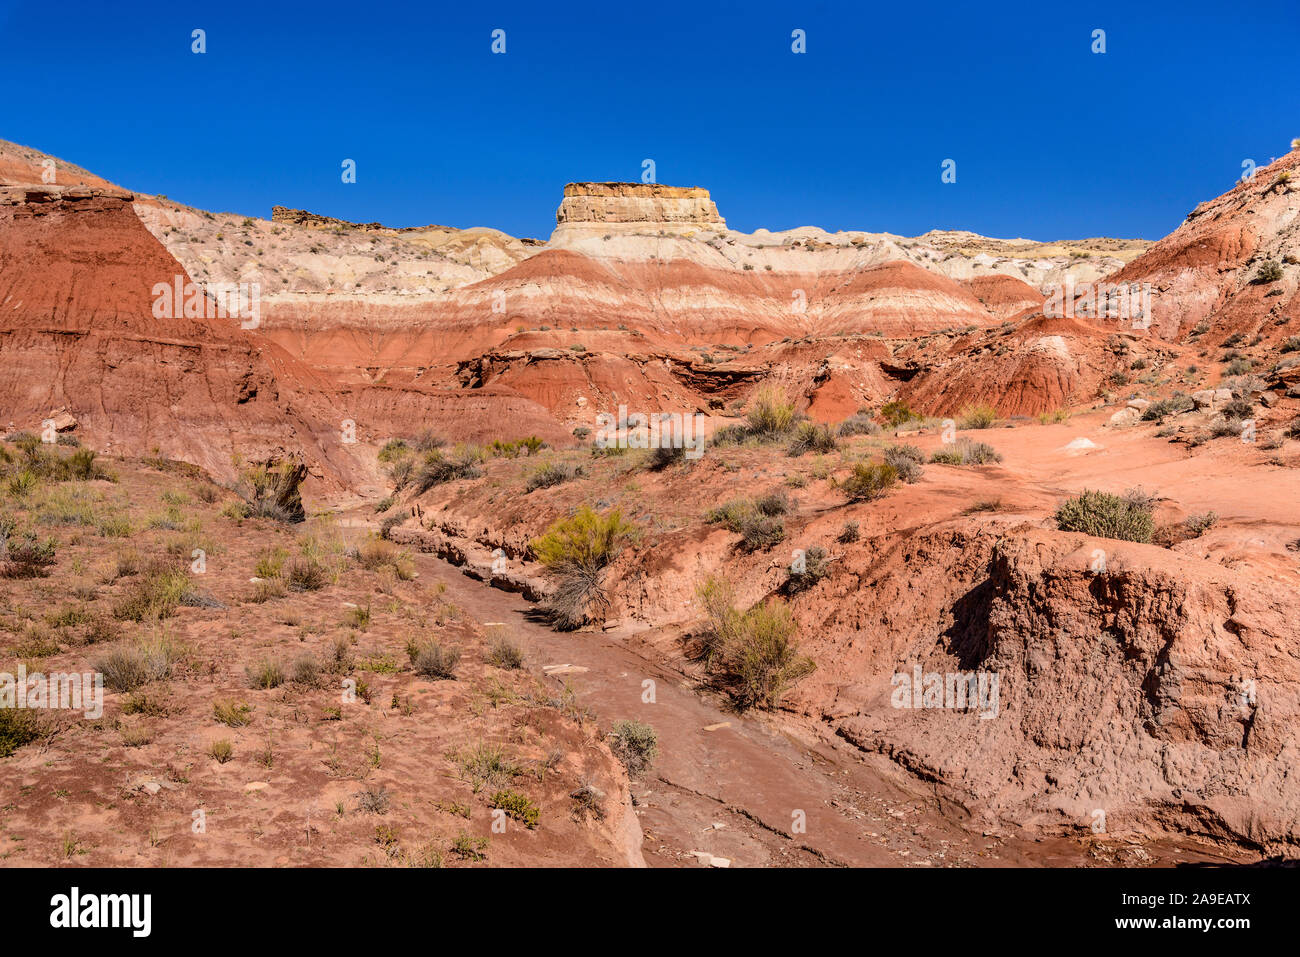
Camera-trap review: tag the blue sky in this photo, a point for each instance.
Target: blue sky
(1050, 139)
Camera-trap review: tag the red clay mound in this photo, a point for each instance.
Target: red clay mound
(1005, 296)
(77, 331)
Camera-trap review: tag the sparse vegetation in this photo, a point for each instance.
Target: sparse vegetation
(1101, 514)
(966, 452)
(753, 653)
(634, 743)
(868, 482)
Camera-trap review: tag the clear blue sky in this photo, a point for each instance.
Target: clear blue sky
(1050, 139)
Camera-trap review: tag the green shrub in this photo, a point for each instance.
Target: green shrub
(897, 413)
(265, 674)
(869, 482)
(754, 653)
(516, 806)
(155, 595)
(437, 468)
(1101, 514)
(18, 726)
(811, 438)
(771, 414)
(1269, 271)
(977, 417)
(634, 743)
(966, 452)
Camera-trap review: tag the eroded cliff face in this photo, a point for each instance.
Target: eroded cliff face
(647, 205)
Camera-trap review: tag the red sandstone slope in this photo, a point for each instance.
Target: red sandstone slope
(1206, 272)
(77, 331)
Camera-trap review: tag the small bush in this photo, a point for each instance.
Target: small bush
(556, 473)
(897, 413)
(233, 714)
(1107, 516)
(1269, 271)
(265, 674)
(848, 534)
(977, 417)
(128, 667)
(754, 653)
(816, 566)
(273, 490)
(432, 660)
(1160, 409)
(155, 595)
(516, 806)
(771, 414)
(811, 438)
(587, 540)
(859, 425)
(18, 726)
(437, 468)
(373, 800)
(505, 653)
(663, 456)
(634, 743)
(966, 452)
(303, 573)
(867, 483)
(906, 460)
(221, 751)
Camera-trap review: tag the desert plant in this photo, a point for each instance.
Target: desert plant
(1160, 409)
(516, 806)
(865, 483)
(906, 460)
(634, 743)
(221, 751)
(897, 413)
(304, 573)
(505, 653)
(809, 437)
(265, 674)
(977, 417)
(754, 653)
(233, 714)
(771, 414)
(432, 660)
(437, 468)
(816, 566)
(966, 452)
(18, 727)
(1128, 518)
(554, 473)
(273, 490)
(1269, 271)
(859, 425)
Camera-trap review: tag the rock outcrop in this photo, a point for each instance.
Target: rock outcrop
(649, 205)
